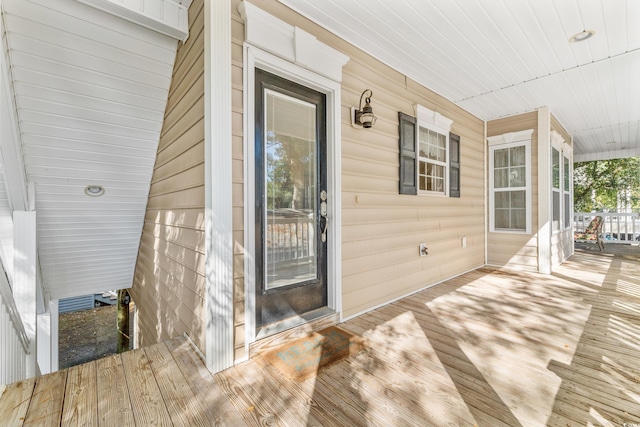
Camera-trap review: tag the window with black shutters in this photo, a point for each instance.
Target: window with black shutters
(429, 157)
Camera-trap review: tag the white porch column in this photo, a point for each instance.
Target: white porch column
(544, 190)
(47, 339)
(53, 311)
(218, 185)
(43, 338)
(24, 279)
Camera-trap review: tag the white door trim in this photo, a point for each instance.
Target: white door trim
(255, 57)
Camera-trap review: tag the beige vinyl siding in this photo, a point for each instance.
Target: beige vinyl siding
(169, 286)
(517, 250)
(382, 230)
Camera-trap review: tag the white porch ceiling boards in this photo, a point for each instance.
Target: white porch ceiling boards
(90, 90)
(497, 58)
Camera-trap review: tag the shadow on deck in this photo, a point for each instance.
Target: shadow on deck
(493, 347)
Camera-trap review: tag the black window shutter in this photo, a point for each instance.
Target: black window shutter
(408, 176)
(454, 165)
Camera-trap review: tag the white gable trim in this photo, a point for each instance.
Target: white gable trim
(290, 43)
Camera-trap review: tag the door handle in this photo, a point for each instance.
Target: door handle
(324, 214)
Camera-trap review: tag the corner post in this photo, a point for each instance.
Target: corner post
(218, 186)
(544, 190)
(24, 279)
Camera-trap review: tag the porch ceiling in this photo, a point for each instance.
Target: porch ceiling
(90, 91)
(499, 58)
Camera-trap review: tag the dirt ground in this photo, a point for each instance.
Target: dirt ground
(87, 335)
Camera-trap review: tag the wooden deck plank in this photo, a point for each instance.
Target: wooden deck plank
(114, 402)
(290, 411)
(146, 400)
(251, 406)
(45, 408)
(217, 407)
(327, 415)
(81, 397)
(492, 348)
(180, 400)
(14, 402)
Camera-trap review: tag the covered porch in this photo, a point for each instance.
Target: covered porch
(493, 347)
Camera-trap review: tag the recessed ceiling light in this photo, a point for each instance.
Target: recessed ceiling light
(582, 36)
(94, 190)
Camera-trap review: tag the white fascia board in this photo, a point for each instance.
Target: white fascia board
(163, 16)
(606, 155)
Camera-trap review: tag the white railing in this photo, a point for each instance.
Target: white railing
(290, 238)
(617, 228)
(14, 344)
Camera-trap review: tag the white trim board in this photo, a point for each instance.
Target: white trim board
(219, 347)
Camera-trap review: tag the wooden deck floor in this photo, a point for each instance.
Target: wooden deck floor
(489, 348)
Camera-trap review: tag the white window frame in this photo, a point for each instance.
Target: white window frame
(557, 143)
(510, 140)
(566, 155)
(558, 191)
(435, 122)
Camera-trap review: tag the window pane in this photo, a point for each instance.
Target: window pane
(556, 210)
(502, 218)
(290, 190)
(424, 149)
(518, 199)
(423, 183)
(501, 178)
(501, 158)
(567, 210)
(567, 184)
(555, 168)
(518, 219)
(517, 177)
(517, 156)
(502, 199)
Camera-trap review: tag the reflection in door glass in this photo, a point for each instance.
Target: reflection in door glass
(291, 194)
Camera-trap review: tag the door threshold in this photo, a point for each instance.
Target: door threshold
(289, 329)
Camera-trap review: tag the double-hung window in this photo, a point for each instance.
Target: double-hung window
(432, 160)
(555, 189)
(510, 182)
(567, 192)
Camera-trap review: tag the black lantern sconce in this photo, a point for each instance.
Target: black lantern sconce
(363, 116)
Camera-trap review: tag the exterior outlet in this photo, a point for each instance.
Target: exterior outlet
(464, 241)
(423, 249)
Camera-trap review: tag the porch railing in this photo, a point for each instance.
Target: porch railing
(290, 238)
(617, 228)
(14, 344)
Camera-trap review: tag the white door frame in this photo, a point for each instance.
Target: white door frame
(290, 52)
(255, 57)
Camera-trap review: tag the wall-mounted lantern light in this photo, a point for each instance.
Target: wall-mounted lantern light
(363, 116)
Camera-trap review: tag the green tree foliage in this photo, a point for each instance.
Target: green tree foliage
(607, 185)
